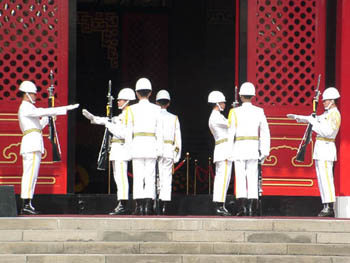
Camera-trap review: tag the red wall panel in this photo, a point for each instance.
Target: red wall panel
(33, 40)
(286, 53)
(342, 83)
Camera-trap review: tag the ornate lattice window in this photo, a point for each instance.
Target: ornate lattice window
(28, 45)
(285, 52)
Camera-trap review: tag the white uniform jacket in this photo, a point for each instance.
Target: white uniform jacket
(252, 134)
(326, 126)
(31, 124)
(171, 135)
(144, 130)
(218, 126)
(118, 128)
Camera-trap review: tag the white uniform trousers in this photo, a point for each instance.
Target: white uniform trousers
(144, 178)
(120, 172)
(31, 165)
(324, 171)
(246, 178)
(222, 180)
(165, 166)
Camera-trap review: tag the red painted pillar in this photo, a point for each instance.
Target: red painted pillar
(342, 172)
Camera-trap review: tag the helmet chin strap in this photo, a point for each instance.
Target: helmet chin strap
(30, 98)
(122, 107)
(217, 104)
(329, 105)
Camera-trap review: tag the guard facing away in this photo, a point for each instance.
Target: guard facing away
(119, 153)
(146, 140)
(32, 121)
(326, 126)
(249, 126)
(218, 126)
(171, 149)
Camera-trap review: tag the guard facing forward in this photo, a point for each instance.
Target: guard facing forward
(326, 126)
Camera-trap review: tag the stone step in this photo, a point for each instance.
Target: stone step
(93, 258)
(177, 223)
(173, 236)
(173, 239)
(224, 248)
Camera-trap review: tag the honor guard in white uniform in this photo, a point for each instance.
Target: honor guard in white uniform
(252, 142)
(145, 133)
(171, 149)
(218, 126)
(326, 127)
(119, 153)
(32, 121)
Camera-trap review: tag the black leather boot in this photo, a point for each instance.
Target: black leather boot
(252, 207)
(120, 209)
(220, 209)
(149, 207)
(243, 210)
(138, 207)
(164, 207)
(327, 210)
(28, 208)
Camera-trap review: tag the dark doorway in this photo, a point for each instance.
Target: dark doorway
(186, 47)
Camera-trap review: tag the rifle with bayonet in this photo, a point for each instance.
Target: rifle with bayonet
(260, 190)
(300, 157)
(56, 149)
(102, 160)
(236, 102)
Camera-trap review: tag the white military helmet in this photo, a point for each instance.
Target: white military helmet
(28, 86)
(216, 97)
(126, 94)
(143, 84)
(163, 95)
(247, 89)
(330, 94)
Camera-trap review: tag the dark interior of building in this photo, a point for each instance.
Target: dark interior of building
(186, 47)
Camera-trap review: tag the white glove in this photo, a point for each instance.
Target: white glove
(299, 118)
(99, 120)
(292, 116)
(88, 115)
(72, 106)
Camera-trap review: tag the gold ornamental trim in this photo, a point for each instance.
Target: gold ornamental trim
(10, 115)
(290, 123)
(272, 160)
(310, 182)
(13, 156)
(10, 155)
(52, 180)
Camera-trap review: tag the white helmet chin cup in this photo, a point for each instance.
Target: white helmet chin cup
(123, 106)
(330, 94)
(126, 94)
(163, 95)
(28, 87)
(143, 84)
(247, 89)
(216, 97)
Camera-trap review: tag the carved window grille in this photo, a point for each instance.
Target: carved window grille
(28, 45)
(285, 52)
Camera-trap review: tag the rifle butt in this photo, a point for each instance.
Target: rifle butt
(300, 157)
